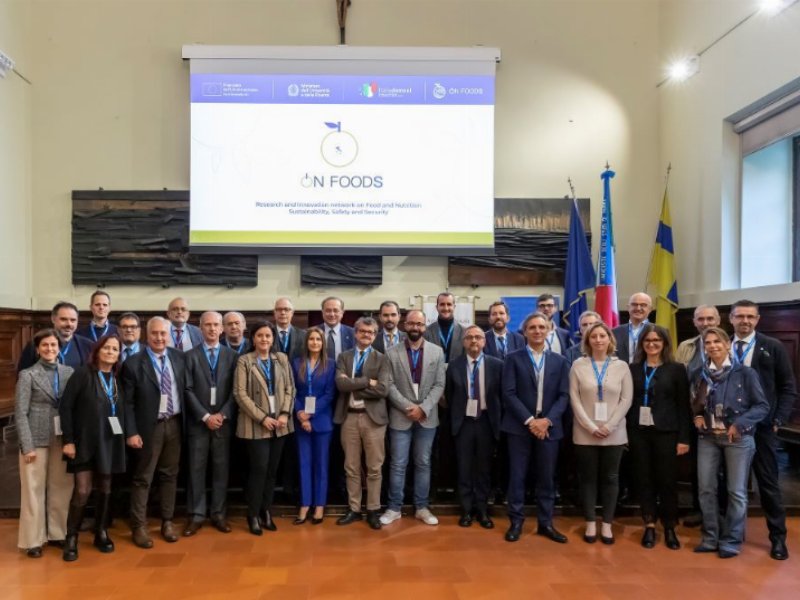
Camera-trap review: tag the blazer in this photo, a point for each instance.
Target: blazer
(142, 392)
(622, 337)
(514, 341)
(376, 366)
(89, 331)
(252, 395)
(771, 362)
(564, 339)
(297, 342)
(380, 344)
(195, 335)
(401, 388)
(617, 393)
(198, 392)
(78, 354)
(456, 390)
(323, 389)
(36, 406)
(348, 336)
(668, 399)
(688, 354)
(246, 346)
(456, 341)
(573, 353)
(520, 392)
(743, 399)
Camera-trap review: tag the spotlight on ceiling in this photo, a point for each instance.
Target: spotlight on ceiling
(773, 7)
(684, 68)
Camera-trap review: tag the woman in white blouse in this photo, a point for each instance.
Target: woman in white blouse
(601, 391)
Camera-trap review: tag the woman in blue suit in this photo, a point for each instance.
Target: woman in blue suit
(314, 403)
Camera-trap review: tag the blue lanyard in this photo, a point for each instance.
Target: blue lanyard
(62, 355)
(635, 335)
(647, 380)
(309, 374)
(239, 349)
(445, 342)
(536, 367)
(475, 370)
(285, 341)
(266, 369)
(415, 358)
(212, 366)
(108, 386)
(363, 357)
(549, 340)
(159, 369)
(94, 332)
(600, 375)
(740, 361)
(56, 386)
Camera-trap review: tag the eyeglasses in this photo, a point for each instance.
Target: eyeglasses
(129, 327)
(547, 305)
(283, 309)
(365, 331)
(473, 337)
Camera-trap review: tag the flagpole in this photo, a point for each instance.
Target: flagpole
(653, 251)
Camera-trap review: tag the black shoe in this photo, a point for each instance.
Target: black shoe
(727, 553)
(374, 519)
(71, 547)
(267, 522)
(484, 520)
(299, 521)
(589, 539)
(317, 520)
(350, 516)
(608, 541)
(102, 542)
(779, 551)
(649, 537)
(670, 539)
(465, 520)
(254, 525)
(513, 533)
(220, 523)
(35, 552)
(551, 533)
(703, 549)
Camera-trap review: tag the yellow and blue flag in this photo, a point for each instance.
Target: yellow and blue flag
(662, 273)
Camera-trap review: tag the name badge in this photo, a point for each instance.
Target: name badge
(645, 416)
(311, 405)
(600, 411)
(116, 428)
(416, 390)
(162, 404)
(472, 407)
(271, 400)
(57, 425)
(213, 400)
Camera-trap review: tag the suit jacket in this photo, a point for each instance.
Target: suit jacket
(246, 346)
(195, 335)
(771, 362)
(252, 395)
(621, 336)
(79, 350)
(456, 390)
(198, 393)
(668, 399)
(36, 405)
(142, 392)
(380, 344)
(297, 341)
(348, 336)
(323, 388)
(401, 386)
(456, 340)
(514, 341)
(564, 339)
(376, 366)
(89, 331)
(573, 353)
(520, 392)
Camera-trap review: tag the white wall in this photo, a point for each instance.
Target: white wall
(15, 160)
(576, 88)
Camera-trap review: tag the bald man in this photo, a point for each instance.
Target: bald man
(639, 307)
(182, 334)
(690, 352)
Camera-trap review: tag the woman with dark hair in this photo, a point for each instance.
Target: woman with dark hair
(92, 420)
(659, 429)
(727, 402)
(45, 485)
(264, 390)
(314, 375)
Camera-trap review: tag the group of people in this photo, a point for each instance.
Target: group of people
(101, 399)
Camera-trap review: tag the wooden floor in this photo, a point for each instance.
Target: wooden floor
(407, 560)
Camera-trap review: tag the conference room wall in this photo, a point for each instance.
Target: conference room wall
(576, 87)
(15, 160)
(750, 63)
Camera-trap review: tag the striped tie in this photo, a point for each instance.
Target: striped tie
(166, 387)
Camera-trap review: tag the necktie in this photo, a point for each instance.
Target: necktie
(211, 352)
(166, 387)
(477, 387)
(127, 354)
(502, 340)
(283, 340)
(331, 345)
(389, 341)
(179, 338)
(740, 350)
(359, 367)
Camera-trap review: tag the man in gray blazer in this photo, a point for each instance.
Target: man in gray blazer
(182, 335)
(445, 332)
(417, 384)
(209, 423)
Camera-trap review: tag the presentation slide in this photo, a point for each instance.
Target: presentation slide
(342, 162)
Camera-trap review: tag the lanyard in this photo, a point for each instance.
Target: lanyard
(309, 374)
(213, 366)
(93, 331)
(175, 340)
(549, 340)
(445, 341)
(239, 349)
(285, 341)
(266, 369)
(474, 373)
(536, 367)
(363, 357)
(634, 335)
(647, 380)
(159, 369)
(56, 386)
(62, 355)
(415, 358)
(108, 386)
(600, 375)
(747, 349)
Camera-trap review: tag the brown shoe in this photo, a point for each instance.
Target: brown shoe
(168, 532)
(141, 538)
(221, 524)
(192, 527)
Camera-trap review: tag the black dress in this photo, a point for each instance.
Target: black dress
(85, 410)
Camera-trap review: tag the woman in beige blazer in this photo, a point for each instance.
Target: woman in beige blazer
(45, 485)
(264, 390)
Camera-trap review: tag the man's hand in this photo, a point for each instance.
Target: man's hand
(135, 441)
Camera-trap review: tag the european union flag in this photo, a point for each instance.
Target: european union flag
(579, 273)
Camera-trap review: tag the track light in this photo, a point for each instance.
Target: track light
(773, 7)
(683, 69)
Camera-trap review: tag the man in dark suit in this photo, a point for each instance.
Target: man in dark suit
(130, 331)
(626, 336)
(446, 332)
(154, 383)
(389, 334)
(339, 337)
(234, 325)
(499, 340)
(472, 389)
(74, 350)
(290, 340)
(770, 360)
(558, 339)
(535, 396)
(100, 305)
(209, 424)
(182, 334)
(586, 320)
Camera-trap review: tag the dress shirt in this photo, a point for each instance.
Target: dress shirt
(176, 406)
(481, 378)
(337, 338)
(357, 352)
(134, 348)
(186, 339)
(634, 338)
(748, 360)
(553, 343)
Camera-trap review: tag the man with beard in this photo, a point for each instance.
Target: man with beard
(690, 352)
(130, 330)
(182, 334)
(389, 335)
(499, 340)
(446, 332)
(74, 350)
(558, 339)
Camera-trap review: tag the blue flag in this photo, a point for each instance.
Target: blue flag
(579, 276)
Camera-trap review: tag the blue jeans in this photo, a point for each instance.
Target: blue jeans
(401, 441)
(724, 533)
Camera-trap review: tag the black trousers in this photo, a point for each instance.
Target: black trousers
(765, 468)
(598, 469)
(655, 461)
(265, 458)
(474, 447)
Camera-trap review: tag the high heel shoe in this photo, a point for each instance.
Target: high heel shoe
(268, 523)
(254, 525)
(300, 520)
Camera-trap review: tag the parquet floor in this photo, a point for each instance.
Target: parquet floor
(407, 560)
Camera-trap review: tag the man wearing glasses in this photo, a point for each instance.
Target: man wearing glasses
(639, 307)
(557, 339)
(290, 340)
(130, 330)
